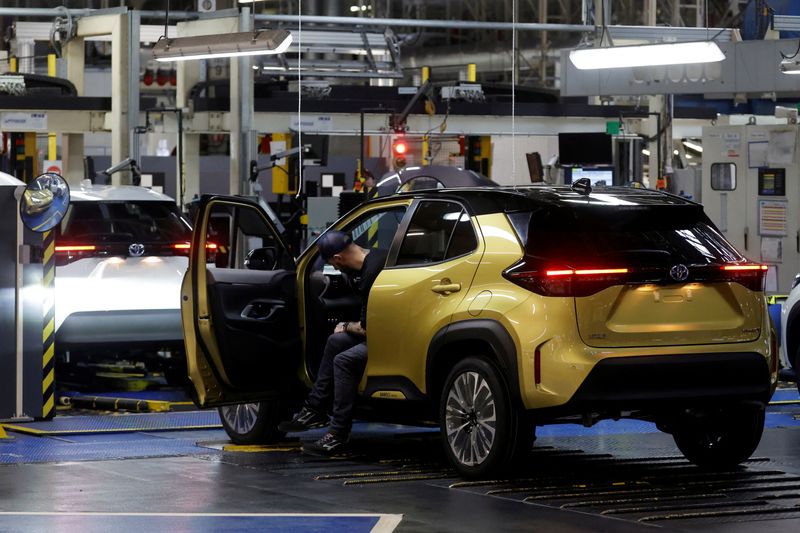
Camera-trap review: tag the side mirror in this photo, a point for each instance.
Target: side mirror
(44, 202)
(261, 259)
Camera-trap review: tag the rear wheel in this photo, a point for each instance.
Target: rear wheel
(253, 423)
(720, 438)
(482, 429)
(796, 364)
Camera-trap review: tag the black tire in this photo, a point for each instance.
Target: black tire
(796, 365)
(475, 400)
(253, 423)
(720, 438)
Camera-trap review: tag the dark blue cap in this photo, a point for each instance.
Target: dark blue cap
(333, 242)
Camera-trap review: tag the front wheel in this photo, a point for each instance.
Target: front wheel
(720, 438)
(253, 423)
(481, 426)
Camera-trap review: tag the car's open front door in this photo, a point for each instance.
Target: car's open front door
(239, 306)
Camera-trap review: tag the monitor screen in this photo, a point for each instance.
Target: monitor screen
(579, 149)
(597, 176)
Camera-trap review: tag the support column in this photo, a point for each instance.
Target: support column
(72, 143)
(120, 91)
(242, 138)
(649, 12)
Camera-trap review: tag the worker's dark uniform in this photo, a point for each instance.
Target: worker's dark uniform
(345, 357)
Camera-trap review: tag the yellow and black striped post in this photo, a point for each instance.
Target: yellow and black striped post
(49, 325)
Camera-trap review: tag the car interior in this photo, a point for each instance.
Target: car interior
(331, 297)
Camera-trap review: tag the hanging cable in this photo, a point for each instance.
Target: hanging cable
(513, 91)
(299, 98)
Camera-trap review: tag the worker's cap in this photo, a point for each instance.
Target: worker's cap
(332, 243)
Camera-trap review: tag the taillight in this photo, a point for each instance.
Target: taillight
(752, 276)
(68, 253)
(182, 248)
(557, 281)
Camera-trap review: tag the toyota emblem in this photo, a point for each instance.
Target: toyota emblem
(679, 272)
(136, 250)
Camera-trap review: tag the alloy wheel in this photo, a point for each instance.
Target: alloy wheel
(470, 418)
(241, 417)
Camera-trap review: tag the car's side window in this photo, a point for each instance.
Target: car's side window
(437, 231)
(239, 237)
(463, 240)
(377, 228)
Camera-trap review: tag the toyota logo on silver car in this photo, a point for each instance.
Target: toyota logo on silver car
(679, 272)
(136, 250)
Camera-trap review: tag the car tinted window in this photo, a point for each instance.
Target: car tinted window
(124, 222)
(429, 233)
(376, 229)
(463, 240)
(239, 230)
(635, 236)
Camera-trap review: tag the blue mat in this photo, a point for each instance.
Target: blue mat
(73, 425)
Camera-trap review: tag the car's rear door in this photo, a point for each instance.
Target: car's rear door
(240, 325)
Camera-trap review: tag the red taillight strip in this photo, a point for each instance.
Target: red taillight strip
(589, 272)
(75, 248)
(186, 246)
(560, 272)
(745, 267)
(586, 271)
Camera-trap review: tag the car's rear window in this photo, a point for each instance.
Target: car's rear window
(651, 235)
(124, 221)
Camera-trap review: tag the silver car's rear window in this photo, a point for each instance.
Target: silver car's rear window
(124, 221)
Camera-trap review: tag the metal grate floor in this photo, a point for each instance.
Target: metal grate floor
(74, 425)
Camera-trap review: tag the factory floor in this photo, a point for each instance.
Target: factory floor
(177, 471)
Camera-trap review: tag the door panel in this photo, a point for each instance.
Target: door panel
(240, 326)
(250, 316)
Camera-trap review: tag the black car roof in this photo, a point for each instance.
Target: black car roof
(506, 199)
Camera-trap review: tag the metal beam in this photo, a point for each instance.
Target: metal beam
(414, 23)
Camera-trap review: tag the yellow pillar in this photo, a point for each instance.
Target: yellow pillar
(3, 434)
(472, 72)
(12, 64)
(426, 74)
(52, 143)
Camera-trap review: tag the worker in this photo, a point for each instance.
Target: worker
(345, 356)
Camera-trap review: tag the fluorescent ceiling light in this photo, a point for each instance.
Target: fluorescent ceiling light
(646, 55)
(693, 146)
(263, 42)
(790, 67)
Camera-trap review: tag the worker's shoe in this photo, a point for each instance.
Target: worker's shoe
(330, 445)
(306, 419)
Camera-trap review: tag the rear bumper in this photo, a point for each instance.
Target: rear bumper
(668, 382)
(134, 328)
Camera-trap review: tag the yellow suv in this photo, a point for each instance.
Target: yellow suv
(498, 310)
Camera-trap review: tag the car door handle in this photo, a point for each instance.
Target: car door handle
(446, 287)
(263, 310)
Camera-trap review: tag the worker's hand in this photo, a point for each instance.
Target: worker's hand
(339, 327)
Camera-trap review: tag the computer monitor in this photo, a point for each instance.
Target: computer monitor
(598, 176)
(585, 149)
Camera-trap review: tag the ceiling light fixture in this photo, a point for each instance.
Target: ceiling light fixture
(693, 146)
(262, 42)
(646, 55)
